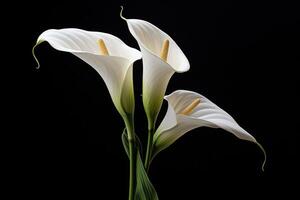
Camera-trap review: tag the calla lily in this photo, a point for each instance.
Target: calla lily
(188, 110)
(161, 59)
(107, 54)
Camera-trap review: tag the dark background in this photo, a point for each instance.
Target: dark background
(65, 135)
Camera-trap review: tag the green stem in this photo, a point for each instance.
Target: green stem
(149, 149)
(132, 170)
(132, 157)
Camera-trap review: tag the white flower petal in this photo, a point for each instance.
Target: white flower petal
(127, 92)
(169, 121)
(156, 76)
(115, 69)
(77, 40)
(151, 39)
(206, 113)
(156, 72)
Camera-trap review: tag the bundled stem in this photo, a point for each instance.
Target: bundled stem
(149, 149)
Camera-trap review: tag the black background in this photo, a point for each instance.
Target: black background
(65, 132)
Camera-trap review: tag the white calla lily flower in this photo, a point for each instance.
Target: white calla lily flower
(161, 59)
(107, 54)
(188, 110)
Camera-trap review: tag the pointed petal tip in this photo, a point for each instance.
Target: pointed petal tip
(121, 13)
(263, 165)
(33, 53)
(265, 156)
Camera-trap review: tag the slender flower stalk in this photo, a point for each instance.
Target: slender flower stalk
(129, 123)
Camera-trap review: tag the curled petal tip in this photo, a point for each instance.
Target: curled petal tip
(265, 156)
(34, 56)
(121, 13)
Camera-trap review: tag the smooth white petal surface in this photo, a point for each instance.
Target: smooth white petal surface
(206, 113)
(156, 72)
(151, 39)
(115, 69)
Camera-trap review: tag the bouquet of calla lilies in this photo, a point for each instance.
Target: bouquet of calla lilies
(162, 57)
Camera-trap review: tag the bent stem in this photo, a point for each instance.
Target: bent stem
(132, 156)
